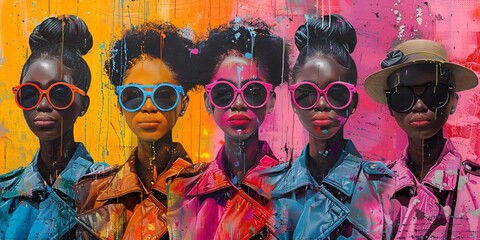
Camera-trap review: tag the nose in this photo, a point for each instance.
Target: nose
(322, 105)
(44, 105)
(419, 107)
(149, 107)
(238, 104)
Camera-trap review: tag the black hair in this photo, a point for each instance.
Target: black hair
(329, 35)
(159, 40)
(244, 36)
(65, 38)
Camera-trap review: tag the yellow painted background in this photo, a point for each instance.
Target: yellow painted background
(102, 129)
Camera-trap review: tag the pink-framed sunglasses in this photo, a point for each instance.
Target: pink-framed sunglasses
(338, 95)
(222, 94)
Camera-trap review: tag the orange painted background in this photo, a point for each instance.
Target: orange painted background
(380, 25)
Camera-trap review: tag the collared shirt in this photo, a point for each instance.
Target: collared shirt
(205, 204)
(115, 204)
(348, 203)
(31, 209)
(443, 205)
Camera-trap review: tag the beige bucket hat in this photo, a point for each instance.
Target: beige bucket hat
(415, 52)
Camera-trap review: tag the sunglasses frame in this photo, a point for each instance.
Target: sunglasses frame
(178, 90)
(417, 97)
(46, 93)
(351, 89)
(209, 87)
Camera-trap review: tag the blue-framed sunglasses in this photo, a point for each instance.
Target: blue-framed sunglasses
(165, 96)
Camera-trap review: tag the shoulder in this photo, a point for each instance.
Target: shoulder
(91, 185)
(377, 168)
(7, 180)
(190, 171)
(98, 167)
(101, 173)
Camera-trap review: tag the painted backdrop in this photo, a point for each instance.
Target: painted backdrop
(380, 25)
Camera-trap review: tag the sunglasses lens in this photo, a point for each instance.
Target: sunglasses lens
(305, 95)
(222, 94)
(165, 97)
(338, 95)
(132, 98)
(436, 96)
(401, 99)
(61, 96)
(255, 94)
(28, 96)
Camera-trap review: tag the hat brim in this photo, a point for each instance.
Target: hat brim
(376, 84)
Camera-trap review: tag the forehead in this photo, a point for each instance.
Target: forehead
(45, 71)
(419, 74)
(322, 70)
(150, 72)
(238, 69)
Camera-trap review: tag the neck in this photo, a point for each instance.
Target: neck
(423, 154)
(152, 158)
(241, 155)
(55, 155)
(324, 153)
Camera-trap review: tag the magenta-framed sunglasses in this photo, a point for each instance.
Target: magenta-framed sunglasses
(338, 95)
(222, 93)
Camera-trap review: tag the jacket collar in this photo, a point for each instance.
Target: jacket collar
(32, 182)
(214, 177)
(126, 180)
(341, 175)
(442, 176)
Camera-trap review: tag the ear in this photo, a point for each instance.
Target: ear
(120, 109)
(85, 104)
(271, 102)
(208, 105)
(185, 101)
(354, 103)
(454, 103)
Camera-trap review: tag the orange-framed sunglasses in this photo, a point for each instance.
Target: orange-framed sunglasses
(60, 95)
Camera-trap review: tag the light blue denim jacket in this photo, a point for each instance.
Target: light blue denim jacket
(349, 198)
(31, 209)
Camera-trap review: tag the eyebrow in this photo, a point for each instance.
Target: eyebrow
(49, 83)
(243, 82)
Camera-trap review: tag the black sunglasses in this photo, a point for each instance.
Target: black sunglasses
(401, 99)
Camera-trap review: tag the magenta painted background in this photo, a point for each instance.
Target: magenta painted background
(380, 26)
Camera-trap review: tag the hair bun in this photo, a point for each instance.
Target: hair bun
(74, 30)
(328, 29)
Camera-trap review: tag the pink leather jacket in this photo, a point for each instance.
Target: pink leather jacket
(204, 204)
(445, 205)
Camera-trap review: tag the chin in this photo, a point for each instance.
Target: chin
(240, 134)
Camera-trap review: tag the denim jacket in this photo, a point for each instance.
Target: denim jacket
(31, 209)
(348, 204)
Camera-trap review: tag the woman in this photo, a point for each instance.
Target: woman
(328, 192)
(149, 68)
(226, 198)
(435, 194)
(37, 202)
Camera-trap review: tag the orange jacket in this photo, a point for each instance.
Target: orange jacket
(114, 204)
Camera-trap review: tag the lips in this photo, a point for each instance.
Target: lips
(239, 120)
(419, 121)
(149, 124)
(43, 121)
(321, 120)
